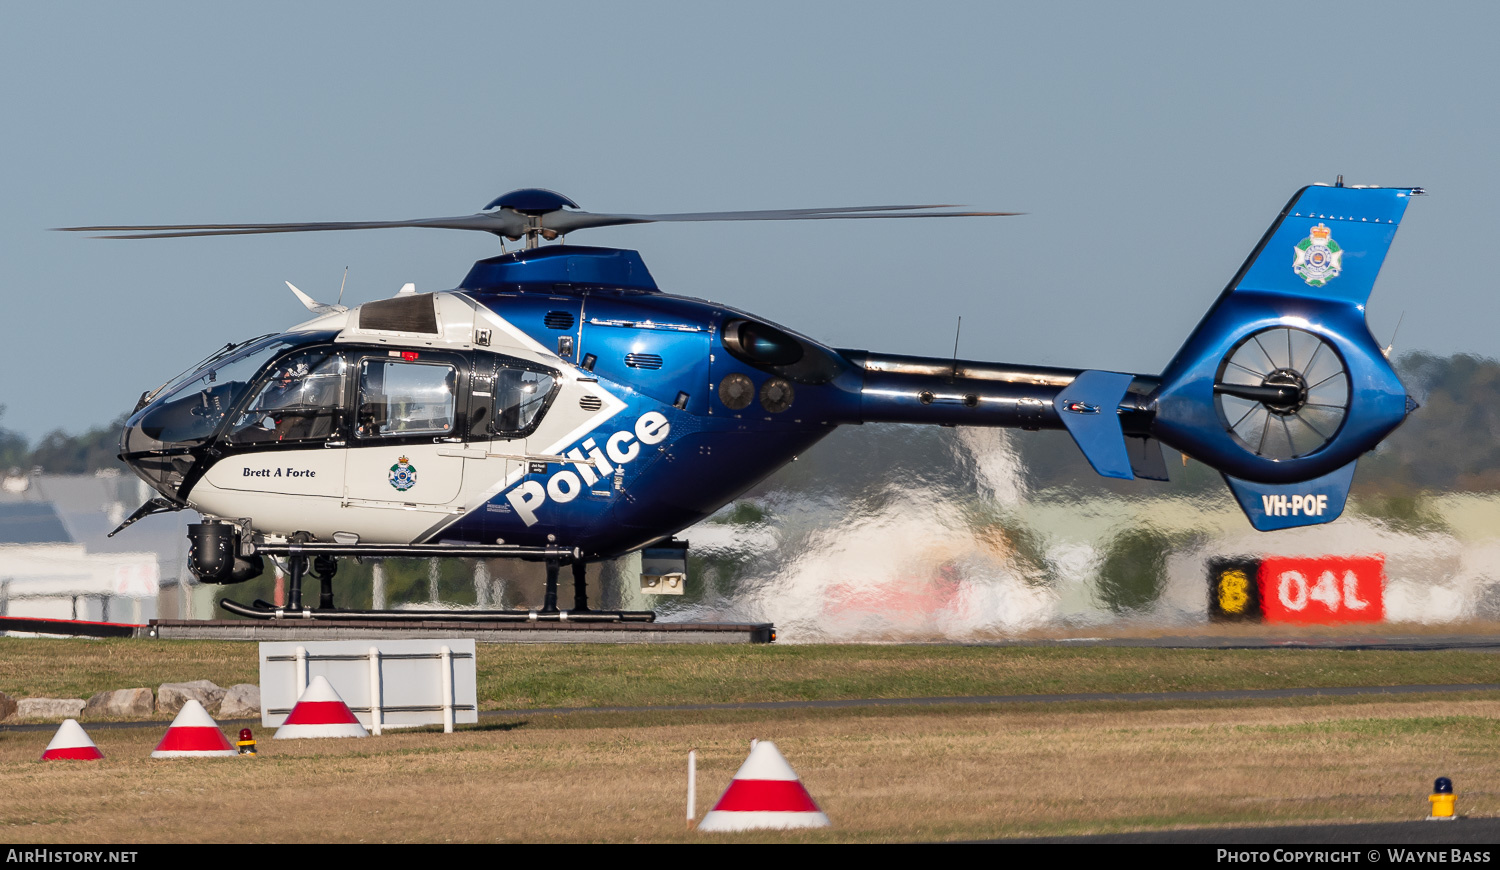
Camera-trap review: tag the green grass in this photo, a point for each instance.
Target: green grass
(521, 677)
(584, 721)
(1436, 727)
(531, 676)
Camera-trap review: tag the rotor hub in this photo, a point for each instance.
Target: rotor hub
(1285, 377)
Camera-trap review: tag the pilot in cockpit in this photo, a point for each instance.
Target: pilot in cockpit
(299, 401)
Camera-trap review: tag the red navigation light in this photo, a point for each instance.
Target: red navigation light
(409, 355)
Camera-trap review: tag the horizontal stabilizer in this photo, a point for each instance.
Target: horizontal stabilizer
(1272, 506)
(1090, 409)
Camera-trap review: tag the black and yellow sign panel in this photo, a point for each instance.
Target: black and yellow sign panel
(1234, 590)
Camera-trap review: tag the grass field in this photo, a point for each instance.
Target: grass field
(888, 774)
(530, 676)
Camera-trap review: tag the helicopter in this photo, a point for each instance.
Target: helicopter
(558, 406)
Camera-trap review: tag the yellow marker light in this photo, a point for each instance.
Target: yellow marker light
(1442, 798)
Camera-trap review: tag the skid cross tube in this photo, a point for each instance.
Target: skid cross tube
(580, 586)
(296, 567)
(549, 600)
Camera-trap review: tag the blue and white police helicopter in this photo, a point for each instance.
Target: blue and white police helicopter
(558, 406)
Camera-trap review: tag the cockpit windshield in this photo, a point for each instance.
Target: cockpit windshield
(191, 409)
(196, 369)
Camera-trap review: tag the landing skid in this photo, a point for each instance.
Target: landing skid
(266, 610)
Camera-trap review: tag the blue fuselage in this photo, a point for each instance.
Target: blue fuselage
(740, 397)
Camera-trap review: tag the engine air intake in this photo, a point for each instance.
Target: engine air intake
(411, 313)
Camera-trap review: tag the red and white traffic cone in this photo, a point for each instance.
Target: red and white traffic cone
(320, 712)
(765, 793)
(71, 743)
(194, 734)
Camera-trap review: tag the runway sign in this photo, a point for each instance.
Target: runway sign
(1306, 590)
(1321, 591)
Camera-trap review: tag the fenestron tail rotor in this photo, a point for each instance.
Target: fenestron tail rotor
(1282, 393)
(534, 214)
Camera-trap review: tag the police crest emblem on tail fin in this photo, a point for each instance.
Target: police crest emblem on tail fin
(1318, 257)
(403, 475)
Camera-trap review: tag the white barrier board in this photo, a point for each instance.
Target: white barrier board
(406, 676)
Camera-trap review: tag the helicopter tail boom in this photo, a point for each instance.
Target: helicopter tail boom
(903, 389)
(911, 389)
(1280, 388)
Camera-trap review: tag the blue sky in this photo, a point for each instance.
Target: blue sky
(1150, 145)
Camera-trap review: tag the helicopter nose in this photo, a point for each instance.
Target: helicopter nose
(149, 453)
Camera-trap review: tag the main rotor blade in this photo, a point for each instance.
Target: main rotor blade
(501, 223)
(506, 222)
(568, 221)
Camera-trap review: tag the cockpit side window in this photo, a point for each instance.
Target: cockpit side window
(521, 395)
(301, 398)
(398, 398)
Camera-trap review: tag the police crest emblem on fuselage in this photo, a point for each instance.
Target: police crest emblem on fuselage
(1319, 259)
(403, 475)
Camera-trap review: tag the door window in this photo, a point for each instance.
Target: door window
(398, 399)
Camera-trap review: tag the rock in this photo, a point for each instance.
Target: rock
(242, 701)
(7, 706)
(171, 696)
(121, 703)
(49, 708)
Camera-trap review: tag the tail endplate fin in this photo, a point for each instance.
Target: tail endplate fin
(1089, 408)
(1146, 459)
(1272, 506)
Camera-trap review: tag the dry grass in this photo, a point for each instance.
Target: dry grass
(888, 775)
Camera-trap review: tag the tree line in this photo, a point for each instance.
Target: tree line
(60, 453)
